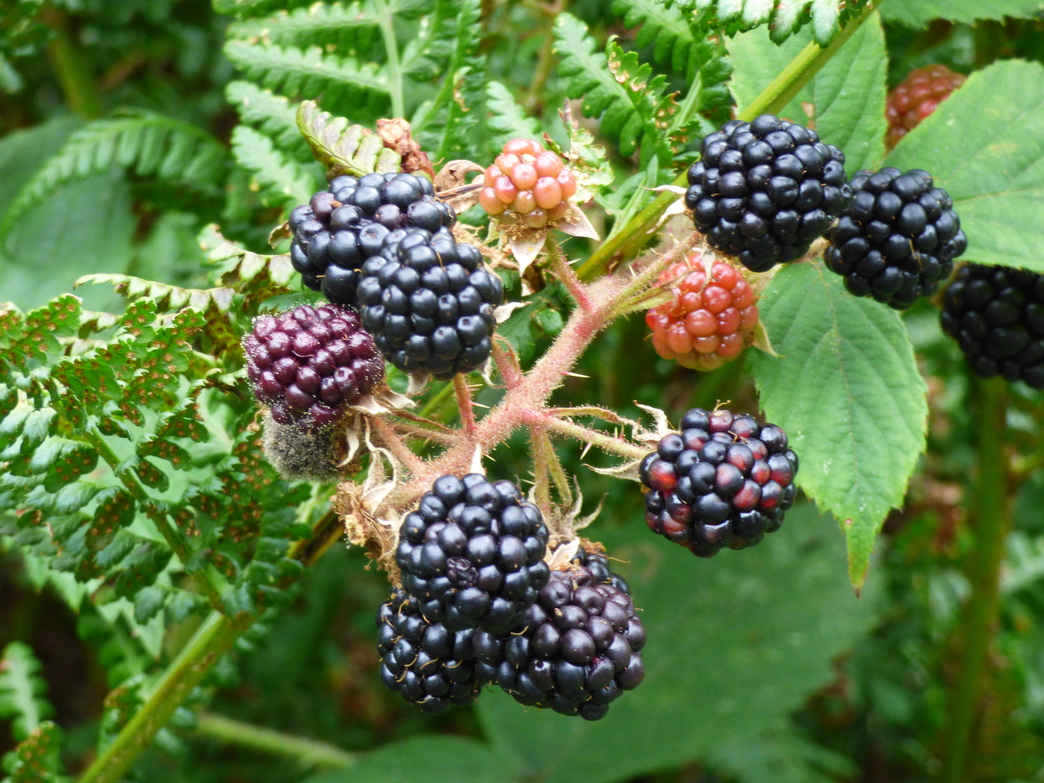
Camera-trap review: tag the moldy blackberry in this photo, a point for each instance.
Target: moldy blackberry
(429, 303)
(577, 649)
(996, 315)
(309, 362)
(424, 662)
(347, 223)
(764, 190)
(897, 240)
(472, 553)
(724, 480)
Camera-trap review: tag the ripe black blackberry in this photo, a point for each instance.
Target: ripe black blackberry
(429, 303)
(598, 564)
(472, 553)
(724, 480)
(764, 190)
(897, 240)
(996, 315)
(424, 662)
(308, 363)
(577, 649)
(346, 224)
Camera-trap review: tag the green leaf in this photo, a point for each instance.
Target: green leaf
(413, 761)
(826, 16)
(343, 148)
(918, 13)
(36, 759)
(508, 120)
(985, 146)
(22, 689)
(278, 180)
(319, 24)
(729, 654)
(846, 389)
(272, 114)
(845, 101)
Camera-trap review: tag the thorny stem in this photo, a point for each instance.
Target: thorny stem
(424, 433)
(506, 361)
(554, 465)
(565, 274)
(464, 403)
(608, 443)
(390, 438)
(539, 451)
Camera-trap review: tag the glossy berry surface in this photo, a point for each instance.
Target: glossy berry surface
(598, 565)
(577, 649)
(429, 302)
(344, 225)
(996, 315)
(308, 363)
(527, 184)
(916, 98)
(472, 553)
(897, 240)
(710, 318)
(763, 191)
(424, 662)
(722, 481)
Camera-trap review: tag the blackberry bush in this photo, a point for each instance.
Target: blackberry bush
(764, 190)
(576, 650)
(897, 240)
(723, 481)
(996, 315)
(308, 363)
(472, 553)
(916, 98)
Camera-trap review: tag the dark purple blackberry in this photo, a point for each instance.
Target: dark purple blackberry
(897, 240)
(598, 564)
(577, 649)
(763, 191)
(331, 241)
(996, 315)
(309, 362)
(472, 553)
(724, 480)
(424, 662)
(429, 304)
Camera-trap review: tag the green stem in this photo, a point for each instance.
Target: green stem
(308, 753)
(391, 46)
(72, 69)
(990, 518)
(774, 97)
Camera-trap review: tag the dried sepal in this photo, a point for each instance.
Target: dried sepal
(576, 224)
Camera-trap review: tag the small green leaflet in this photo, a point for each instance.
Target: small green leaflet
(918, 13)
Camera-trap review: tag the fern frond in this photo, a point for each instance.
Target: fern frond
(273, 114)
(827, 17)
(247, 8)
(278, 180)
(664, 28)
(359, 90)
(507, 119)
(149, 145)
(166, 297)
(343, 148)
(22, 689)
(616, 88)
(334, 24)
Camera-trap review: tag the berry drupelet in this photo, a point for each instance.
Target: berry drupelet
(527, 184)
(424, 662)
(472, 553)
(308, 363)
(577, 649)
(724, 480)
(897, 240)
(917, 97)
(765, 190)
(996, 315)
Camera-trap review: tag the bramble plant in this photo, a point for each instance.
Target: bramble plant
(437, 288)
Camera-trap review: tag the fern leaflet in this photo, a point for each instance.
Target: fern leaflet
(507, 119)
(278, 180)
(317, 25)
(732, 16)
(22, 689)
(273, 114)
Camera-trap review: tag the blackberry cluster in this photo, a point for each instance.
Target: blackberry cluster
(472, 553)
(724, 480)
(764, 190)
(424, 662)
(577, 649)
(996, 315)
(429, 303)
(308, 363)
(917, 97)
(710, 318)
(349, 222)
(897, 240)
(527, 184)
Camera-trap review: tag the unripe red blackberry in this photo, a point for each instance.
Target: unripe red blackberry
(709, 320)
(308, 363)
(577, 649)
(527, 184)
(472, 553)
(724, 480)
(916, 98)
(424, 662)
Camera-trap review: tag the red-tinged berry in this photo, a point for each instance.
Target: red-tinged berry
(916, 98)
(710, 318)
(527, 184)
(306, 364)
(731, 480)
